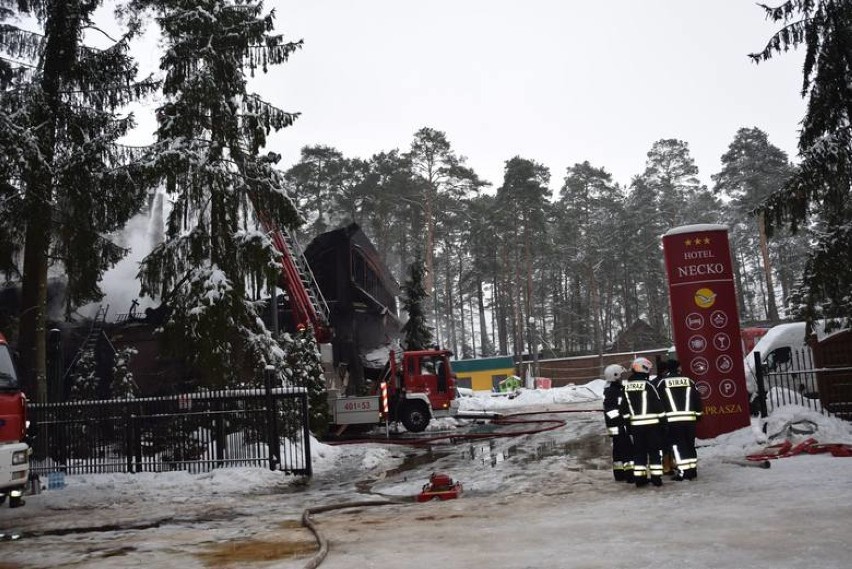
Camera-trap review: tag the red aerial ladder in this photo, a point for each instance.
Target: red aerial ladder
(306, 300)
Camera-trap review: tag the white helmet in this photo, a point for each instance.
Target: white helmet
(642, 365)
(613, 373)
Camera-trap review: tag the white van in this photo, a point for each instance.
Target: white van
(783, 349)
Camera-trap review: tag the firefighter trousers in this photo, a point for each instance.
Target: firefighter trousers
(622, 456)
(647, 451)
(682, 437)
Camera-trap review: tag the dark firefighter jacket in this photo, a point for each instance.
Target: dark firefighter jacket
(641, 404)
(680, 398)
(613, 394)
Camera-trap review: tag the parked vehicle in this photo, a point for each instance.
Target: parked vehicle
(751, 335)
(14, 451)
(415, 387)
(783, 350)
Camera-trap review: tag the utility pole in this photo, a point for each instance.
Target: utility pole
(533, 349)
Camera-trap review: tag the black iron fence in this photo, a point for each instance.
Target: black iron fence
(793, 378)
(195, 432)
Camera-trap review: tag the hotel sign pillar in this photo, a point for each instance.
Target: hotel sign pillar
(705, 323)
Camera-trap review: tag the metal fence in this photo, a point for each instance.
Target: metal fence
(794, 379)
(195, 432)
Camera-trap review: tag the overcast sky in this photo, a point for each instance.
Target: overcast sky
(555, 81)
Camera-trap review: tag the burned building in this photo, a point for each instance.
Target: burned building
(361, 295)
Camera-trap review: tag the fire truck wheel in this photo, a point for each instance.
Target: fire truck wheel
(415, 416)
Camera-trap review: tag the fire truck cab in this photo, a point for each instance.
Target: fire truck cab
(414, 388)
(14, 451)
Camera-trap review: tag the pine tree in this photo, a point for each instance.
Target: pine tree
(208, 155)
(84, 379)
(523, 200)
(593, 205)
(752, 169)
(123, 386)
(303, 368)
(820, 191)
(315, 181)
(439, 171)
(67, 184)
(418, 335)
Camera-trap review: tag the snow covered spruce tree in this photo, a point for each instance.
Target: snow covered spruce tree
(820, 191)
(418, 335)
(304, 369)
(207, 154)
(84, 379)
(123, 385)
(66, 183)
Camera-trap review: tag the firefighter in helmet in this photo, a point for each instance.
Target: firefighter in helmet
(622, 446)
(683, 409)
(644, 412)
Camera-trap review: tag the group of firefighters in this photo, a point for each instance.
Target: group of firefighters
(651, 422)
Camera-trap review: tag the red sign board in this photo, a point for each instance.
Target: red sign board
(705, 323)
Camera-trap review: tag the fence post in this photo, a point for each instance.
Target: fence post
(306, 434)
(128, 436)
(761, 388)
(272, 441)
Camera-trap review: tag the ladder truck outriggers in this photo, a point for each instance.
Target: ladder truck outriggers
(415, 386)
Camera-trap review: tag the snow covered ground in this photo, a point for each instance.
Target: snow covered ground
(544, 500)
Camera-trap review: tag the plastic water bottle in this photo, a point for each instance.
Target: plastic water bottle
(55, 480)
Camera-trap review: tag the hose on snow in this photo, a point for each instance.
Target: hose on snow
(308, 522)
(543, 426)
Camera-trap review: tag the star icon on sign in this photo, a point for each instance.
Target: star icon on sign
(688, 242)
(706, 240)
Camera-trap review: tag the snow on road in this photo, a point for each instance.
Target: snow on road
(543, 500)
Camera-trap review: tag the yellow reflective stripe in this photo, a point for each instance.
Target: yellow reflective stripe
(649, 416)
(653, 421)
(681, 419)
(612, 414)
(670, 397)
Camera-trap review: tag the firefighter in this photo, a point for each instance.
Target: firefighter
(666, 368)
(616, 427)
(683, 409)
(644, 413)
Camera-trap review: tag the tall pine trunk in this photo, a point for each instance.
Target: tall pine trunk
(62, 25)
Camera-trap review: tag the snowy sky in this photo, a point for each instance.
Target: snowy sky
(555, 81)
(533, 502)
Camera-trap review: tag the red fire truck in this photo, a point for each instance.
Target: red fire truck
(14, 451)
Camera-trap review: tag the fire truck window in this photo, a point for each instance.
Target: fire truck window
(7, 372)
(442, 376)
(427, 367)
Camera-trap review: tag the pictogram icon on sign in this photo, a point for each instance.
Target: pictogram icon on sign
(703, 388)
(727, 388)
(719, 319)
(724, 363)
(704, 298)
(697, 343)
(722, 341)
(694, 321)
(699, 365)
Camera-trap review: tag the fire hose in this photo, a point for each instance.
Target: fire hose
(307, 519)
(542, 425)
(808, 446)
(308, 522)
